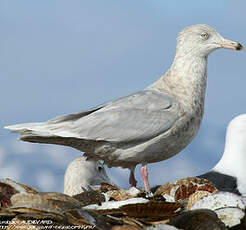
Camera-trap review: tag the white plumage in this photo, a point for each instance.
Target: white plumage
(82, 173)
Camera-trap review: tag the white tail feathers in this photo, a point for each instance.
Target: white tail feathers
(24, 127)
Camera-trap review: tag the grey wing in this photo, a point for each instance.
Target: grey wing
(137, 117)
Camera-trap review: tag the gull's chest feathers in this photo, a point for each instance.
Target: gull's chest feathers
(186, 81)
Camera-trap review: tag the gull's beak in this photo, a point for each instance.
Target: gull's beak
(229, 44)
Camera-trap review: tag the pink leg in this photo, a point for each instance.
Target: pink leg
(144, 173)
(132, 179)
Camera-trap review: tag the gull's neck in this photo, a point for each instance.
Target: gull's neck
(233, 160)
(186, 79)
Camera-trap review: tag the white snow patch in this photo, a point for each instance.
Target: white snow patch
(115, 204)
(219, 200)
(133, 191)
(230, 216)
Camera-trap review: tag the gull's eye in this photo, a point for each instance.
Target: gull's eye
(205, 36)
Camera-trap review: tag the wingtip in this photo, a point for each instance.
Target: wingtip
(7, 127)
(12, 128)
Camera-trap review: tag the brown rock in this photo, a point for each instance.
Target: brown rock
(119, 195)
(6, 191)
(90, 197)
(202, 219)
(193, 198)
(183, 188)
(151, 209)
(108, 187)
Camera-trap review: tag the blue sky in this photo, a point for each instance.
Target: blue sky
(59, 57)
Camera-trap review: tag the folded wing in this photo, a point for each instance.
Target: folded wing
(137, 117)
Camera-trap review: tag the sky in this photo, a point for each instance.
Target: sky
(60, 56)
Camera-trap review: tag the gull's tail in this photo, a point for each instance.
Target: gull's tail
(45, 133)
(55, 131)
(33, 132)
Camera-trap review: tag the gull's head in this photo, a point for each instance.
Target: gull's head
(201, 40)
(82, 173)
(100, 175)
